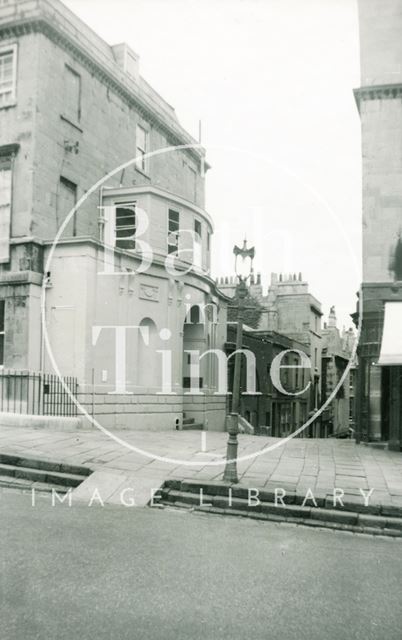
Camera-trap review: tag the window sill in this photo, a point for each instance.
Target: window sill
(9, 105)
(71, 122)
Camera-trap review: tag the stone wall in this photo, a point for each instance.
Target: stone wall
(154, 412)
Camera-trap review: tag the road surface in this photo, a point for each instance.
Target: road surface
(120, 573)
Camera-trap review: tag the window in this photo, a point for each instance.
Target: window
(192, 184)
(5, 207)
(2, 315)
(173, 231)
(67, 199)
(195, 315)
(197, 257)
(125, 225)
(72, 94)
(296, 370)
(141, 148)
(8, 75)
(285, 372)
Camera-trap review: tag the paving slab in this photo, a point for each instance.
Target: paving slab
(299, 465)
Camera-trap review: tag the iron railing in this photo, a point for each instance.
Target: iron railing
(36, 393)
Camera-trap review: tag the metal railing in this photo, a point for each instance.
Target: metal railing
(36, 393)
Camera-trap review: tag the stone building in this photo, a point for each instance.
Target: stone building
(72, 110)
(270, 411)
(379, 100)
(337, 351)
(289, 309)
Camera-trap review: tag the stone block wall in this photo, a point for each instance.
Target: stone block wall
(139, 412)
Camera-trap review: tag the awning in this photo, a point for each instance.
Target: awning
(391, 345)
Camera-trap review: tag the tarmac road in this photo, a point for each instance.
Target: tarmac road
(94, 573)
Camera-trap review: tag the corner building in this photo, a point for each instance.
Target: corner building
(72, 109)
(379, 100)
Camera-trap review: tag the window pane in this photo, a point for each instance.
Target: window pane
(67, 199)
(5, 209)
(72, 94)
(2, 311)
(173, 228)
(5, 185)
(174, 216)
(197, 249)
(7, 61)
(141, 139)
(125, 227)
(141, 148)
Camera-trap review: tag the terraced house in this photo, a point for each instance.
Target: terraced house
(73, 110)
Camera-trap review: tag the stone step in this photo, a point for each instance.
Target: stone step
(215, 499)
(41, 475)
(22, 484)
(43, 464)
(193, 426)
(376, 445)
(188, 420)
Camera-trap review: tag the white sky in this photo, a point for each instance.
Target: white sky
(272, 82)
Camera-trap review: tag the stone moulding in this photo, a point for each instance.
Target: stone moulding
(377, 92)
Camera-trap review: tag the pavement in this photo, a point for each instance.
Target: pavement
(140, 462)
(137, 574)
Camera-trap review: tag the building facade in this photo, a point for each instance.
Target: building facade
(280, 405)
(290, 310)
(379, 102)
(134, 258)
(337, 351)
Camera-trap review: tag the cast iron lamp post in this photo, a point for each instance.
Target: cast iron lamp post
(243, 267)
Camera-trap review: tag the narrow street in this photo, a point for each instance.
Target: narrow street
(102, 573)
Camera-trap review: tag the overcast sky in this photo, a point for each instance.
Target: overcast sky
(272, 82)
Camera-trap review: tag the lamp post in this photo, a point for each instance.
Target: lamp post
(243, 267)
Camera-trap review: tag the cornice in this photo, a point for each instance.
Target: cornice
(377, 92)
(20, 277)
(189, 278)
(109, 76)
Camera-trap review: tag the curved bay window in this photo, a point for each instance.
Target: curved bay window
(125, 226)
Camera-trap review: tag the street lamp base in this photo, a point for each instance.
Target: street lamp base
(230, 473)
